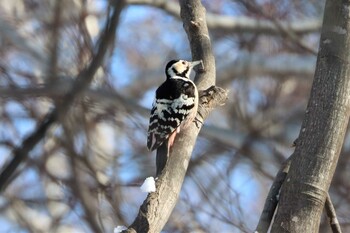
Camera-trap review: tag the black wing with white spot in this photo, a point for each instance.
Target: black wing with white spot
(175, 99)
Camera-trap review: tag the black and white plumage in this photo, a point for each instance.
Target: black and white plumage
(175, 106)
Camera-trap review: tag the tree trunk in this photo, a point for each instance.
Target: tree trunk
(322, 133)
(156, 209)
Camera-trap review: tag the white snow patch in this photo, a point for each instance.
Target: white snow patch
(339, 30)
(119, 229)
(149, 185)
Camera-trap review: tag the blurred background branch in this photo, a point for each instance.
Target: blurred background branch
(82, 81)
(238, 24)
(239, 149)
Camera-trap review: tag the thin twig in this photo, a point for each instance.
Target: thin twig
(333, 220)
(272, 201)
(54, 42)
(239, 24)
(292, 35)
(83, 80)
(79, 189)
(272, 198)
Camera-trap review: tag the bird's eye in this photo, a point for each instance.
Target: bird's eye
(183, 63)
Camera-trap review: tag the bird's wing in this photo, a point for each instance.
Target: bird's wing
(163, 122)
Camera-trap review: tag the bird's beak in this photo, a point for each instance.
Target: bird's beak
(194, 63)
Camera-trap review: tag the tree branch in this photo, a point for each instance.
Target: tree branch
(333, 220)
(279, 66)
(156, 209)
(83, 80)
(239, 24)
(272, 198)
(272, 202)
(322, 133)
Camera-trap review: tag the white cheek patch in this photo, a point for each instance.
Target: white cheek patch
(179, 67)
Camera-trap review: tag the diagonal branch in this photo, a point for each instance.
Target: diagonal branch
(323, 129)
(272, 198)
(156, 209)
(83, 80)
(333, 220)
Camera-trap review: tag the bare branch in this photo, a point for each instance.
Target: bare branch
(157, 207)
(82, 82)
(272, 198)
(333, 220)
(272, 202)
(323, 129)
(10, 32)
(240, 24)
(279, 66)
(193, 15)
(78, 188)
(54, 40)
(283, 30)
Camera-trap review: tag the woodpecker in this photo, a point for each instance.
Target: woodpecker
(174, 108)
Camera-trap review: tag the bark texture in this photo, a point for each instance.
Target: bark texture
(321, 137)
(156, 209)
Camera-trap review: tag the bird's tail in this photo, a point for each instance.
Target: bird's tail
(162, 157)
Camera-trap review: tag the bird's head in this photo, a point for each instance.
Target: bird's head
(180, 68)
